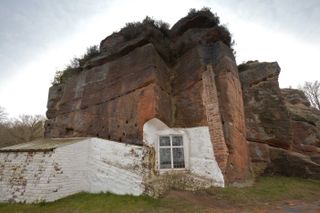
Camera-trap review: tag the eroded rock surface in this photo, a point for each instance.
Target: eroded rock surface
(158, 74)
(268, 160)
(282, 129)
(267, 117)
(305, 119)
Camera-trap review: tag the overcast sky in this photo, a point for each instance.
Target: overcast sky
(38, 37)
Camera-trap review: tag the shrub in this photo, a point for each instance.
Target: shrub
(75, 65)
(134, 29)
(91, 52)
(205, 11)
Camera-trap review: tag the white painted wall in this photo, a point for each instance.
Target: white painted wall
(97, 165)
(22, 175)
(69, 172)
(92, 165)
(115, 167)
(198, 150)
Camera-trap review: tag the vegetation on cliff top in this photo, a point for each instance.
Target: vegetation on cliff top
(133, 29)
(76, 65)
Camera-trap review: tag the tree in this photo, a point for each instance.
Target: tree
(312, 91)
(3, 115)
(24, 129)
(27, 128)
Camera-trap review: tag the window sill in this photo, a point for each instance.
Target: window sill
(172, 171)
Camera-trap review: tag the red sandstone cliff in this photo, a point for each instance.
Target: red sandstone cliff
(186, 77)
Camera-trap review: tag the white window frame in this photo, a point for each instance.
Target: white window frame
(183, 146)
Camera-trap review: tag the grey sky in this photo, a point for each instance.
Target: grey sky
(28, 26)
(39, 36)
(295, 16)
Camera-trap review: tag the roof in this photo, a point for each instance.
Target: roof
(45, 144)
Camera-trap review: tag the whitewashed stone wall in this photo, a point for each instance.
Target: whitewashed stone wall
(115, 167)
(97, 165)
(198, 150)
(22, 175)
(92, 165)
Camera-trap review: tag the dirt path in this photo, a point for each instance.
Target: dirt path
(202, 202)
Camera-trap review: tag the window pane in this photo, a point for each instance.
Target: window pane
(165, 158)
(164, 141)
(178, 158)
(177, 141)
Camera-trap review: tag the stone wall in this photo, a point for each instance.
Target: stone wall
(201, 168)
(42, 176)
(92, 165)
(198, 151)
(97, 165)
(115, 167)
(211, 102)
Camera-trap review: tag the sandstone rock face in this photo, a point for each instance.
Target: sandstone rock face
(267, 118)
(305, 124)
(168, 76)
(276, 161)
(279, 118)
(305, 119)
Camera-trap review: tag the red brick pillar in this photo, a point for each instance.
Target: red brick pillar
(211, 103)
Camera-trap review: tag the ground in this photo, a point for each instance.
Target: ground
(269, 194)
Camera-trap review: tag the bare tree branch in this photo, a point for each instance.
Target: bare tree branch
(312, 91)
(3, 115)
(24, 129)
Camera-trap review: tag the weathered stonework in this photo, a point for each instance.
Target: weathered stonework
(87, 164)
(54, 168)
(186, 78)
(211, 102)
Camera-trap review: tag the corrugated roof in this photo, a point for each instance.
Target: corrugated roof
(45, 144)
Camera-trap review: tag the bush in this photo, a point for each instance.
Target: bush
(75, 65)
(205, 11)
(91, 52)
(134, 29)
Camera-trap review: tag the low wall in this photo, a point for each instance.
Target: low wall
(115, 167)
(97, 165)
(92, 165)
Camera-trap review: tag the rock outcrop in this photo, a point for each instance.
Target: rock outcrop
(282, 129)
(305, 119)
(267, 117)
(186, 77)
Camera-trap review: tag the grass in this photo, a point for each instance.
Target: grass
(85, 202)
(270, 189)
(266, 189)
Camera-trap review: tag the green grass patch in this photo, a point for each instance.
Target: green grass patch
(85, 202)
(266, 189)
(270, 189)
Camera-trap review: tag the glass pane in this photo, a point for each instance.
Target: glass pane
(177, 141)
(164, 141)
(165, 158)
(178, 158)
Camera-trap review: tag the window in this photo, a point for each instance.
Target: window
(171, 153)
